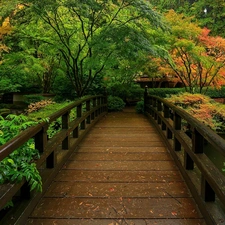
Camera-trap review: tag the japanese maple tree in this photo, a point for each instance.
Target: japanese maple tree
(194, 56)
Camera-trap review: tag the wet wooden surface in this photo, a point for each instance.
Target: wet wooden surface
(120, 174)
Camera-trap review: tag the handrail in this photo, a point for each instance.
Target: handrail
(205, 181)
(53, 151)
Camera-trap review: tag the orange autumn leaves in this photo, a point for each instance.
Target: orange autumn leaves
(5, 29)
(195, 57)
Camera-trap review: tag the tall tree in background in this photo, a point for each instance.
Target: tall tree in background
(195, 57)
(211, 14)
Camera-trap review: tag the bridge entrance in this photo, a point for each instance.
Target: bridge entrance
(121, 173)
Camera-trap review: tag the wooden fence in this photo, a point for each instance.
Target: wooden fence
(186, 139)
(53, 151)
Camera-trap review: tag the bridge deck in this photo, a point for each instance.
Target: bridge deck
(120, 174)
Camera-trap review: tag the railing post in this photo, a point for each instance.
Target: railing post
(51, 160)
(188, 162)
(145, 98)
(25, 191)
(197, 142)
(207, 192)
(41, 139)
(105, 100)
(88, 108)
(166, 111)
(159, 109)
(177, 126)
(79, 110)
(65, 125)
(98, 104)
(94, 105)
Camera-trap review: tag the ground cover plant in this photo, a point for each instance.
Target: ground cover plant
(19, 164)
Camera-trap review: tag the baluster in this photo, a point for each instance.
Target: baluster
(51, 160)
(88, 108)
(40, 139)
(166, 111)
(83, 124)
(94, 105)
(145, 98)
(197, 142)
(79, 111)
(25, 191)
(76, 132)
(98, 104)
(65, 125)
(207, 192)
(169, 134)
(177, 126)
(188, 162)
(163, 126)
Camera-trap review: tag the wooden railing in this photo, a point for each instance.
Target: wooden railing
(53, 152)
(186, 139)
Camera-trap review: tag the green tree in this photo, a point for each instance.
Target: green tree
(211, 14)
(93, 36)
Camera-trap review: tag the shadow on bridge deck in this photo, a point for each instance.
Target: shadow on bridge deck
(121, 173)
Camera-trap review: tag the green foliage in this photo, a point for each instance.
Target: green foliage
(215, 93)
(212, 18)
(140, 107)
(32, 98)
(47, 111)
(115, 103)
(126, 91)
(165, 92)
(63, 89)
(52, 38)
(20, 163)
(6, 85)
(4, 112)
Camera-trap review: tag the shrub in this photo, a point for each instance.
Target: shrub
(20, 163)
(165, 92)
(32, 98)
(215, 93)
(131, 92)
(140, 107)
(115, 103)
(4, 112)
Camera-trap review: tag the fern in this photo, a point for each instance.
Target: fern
(20, 163)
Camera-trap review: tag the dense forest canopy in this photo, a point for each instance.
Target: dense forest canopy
(61, 45)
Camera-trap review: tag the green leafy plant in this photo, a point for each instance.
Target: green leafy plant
(32, 98)
(140, 107)
(115, 103)
(20, 163)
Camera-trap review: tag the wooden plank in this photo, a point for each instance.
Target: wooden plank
(117, 176)
(121, 165)
(154, 143)
(131, 190)
(116, 208)
(116, 156)
(117, 221)
(130, 149)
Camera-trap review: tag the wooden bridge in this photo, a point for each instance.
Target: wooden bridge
(120, 168)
